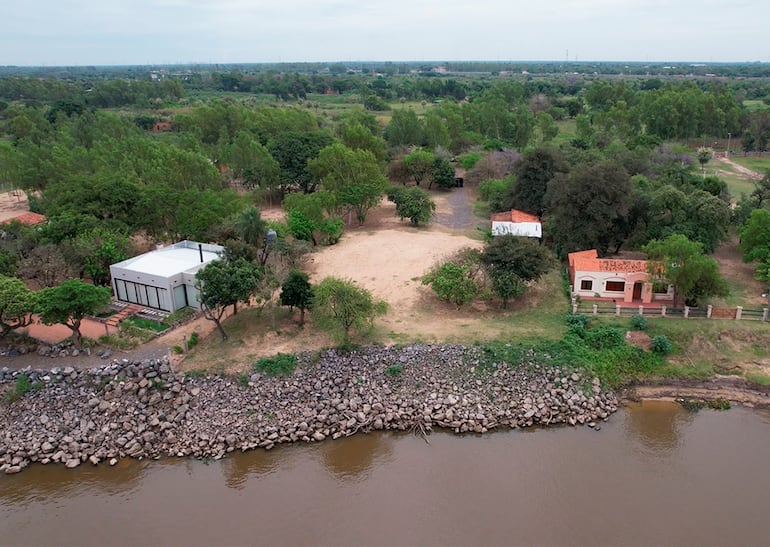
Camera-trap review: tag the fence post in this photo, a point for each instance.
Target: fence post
(764, 315)
(663, 310)
(574, 307)
(595, 309)
(738, 313)
(617, 310)
(686, 312)
(641, 310)
(709, 310)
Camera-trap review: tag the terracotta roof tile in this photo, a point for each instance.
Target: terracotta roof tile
(514, 215)
(29, 219)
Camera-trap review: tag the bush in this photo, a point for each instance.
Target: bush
(393, 370)
(661, 345)
(282, 364)
(193, 341)
(605, 337)
(638, 322)
(579, 321)
(453, 283)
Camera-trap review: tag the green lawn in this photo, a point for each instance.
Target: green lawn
(760, 164)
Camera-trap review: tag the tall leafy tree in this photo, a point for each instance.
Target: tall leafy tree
(297, 292)
(222, 283)
(533, 172)
(17, 303)
(69, 303)
(404, 128)
(292, 150)
(587, 207)
(354, 176)
(682, 263)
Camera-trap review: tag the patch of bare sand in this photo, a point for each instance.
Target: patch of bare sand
(390, 264)
(386, 256)
(12, 204)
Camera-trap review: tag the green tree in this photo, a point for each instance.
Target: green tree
(222, 283)
(292, 150)
(420, 164)
(755, 244)
(354, 176)
(506, 284)
(588, 207)
(453, 282)
(252, 162)
(17, 303)
(297, 292)
(404, 128)
(341, 307)
(96, 250)
(682, 263)
(533, 172)
(310, 214)
(442, 174)
(704, 156)
(413, 203)
(69, 302)
(520, 255)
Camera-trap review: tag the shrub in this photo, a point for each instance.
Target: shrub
(578, 320)
(638, 322)
(453, 283)
(393, 370)
(661, 345)
(178, 349)
(605, 337)
(193, 341)
(282, 364)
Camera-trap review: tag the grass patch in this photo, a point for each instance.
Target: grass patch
(760, 164)
(282, 364)
(393, 370)
(758, 377)
(21, 387)
(146, 324)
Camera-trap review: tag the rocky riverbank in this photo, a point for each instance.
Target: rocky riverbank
(145, 409)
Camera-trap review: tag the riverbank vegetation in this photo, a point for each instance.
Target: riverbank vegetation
(614, 158)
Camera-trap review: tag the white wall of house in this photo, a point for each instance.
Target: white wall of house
(525, 229)
(163, 279)
(618, 286)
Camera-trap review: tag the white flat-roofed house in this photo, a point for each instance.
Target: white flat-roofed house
(516, 223)
(163, 279)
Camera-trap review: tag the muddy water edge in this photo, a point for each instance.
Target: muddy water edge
(654, 474)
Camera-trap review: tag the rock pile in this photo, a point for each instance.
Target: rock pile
(144, 409)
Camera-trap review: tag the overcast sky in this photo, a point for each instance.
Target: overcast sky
(118, 32)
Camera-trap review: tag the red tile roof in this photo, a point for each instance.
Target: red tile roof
(514, 215)
(589, 261)
(29, 219)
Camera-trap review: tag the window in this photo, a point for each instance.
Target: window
(616, 286)
(660, 288)
(146, 295)
(586, 285)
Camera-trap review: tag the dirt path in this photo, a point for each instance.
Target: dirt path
(751, 174)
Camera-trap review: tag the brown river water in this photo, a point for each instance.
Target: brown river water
(655, 474)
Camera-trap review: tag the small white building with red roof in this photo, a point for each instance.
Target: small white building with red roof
(516, 223)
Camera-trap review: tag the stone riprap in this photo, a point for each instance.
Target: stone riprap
(146, 410)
